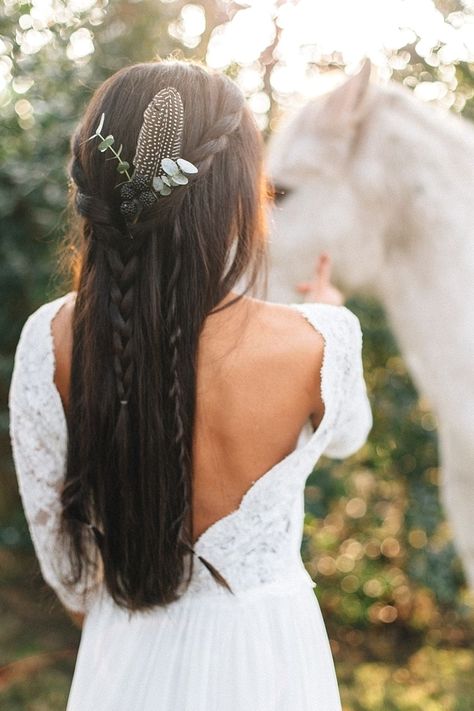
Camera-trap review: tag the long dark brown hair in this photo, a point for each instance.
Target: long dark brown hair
(143, 294)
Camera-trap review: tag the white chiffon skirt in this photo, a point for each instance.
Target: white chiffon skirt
(265, 649)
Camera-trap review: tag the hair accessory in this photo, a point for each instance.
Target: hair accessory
(157, 165)
(161, 132)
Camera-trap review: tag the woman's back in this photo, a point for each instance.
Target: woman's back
(258, 382)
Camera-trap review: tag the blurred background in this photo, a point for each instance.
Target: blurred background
(392, 591)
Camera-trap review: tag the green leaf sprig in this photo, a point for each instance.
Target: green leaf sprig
(107, 144)
(136, 193)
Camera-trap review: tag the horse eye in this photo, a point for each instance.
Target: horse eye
(279, 193)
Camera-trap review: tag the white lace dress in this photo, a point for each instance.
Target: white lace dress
(263, 648)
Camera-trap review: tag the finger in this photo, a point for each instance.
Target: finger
(303, 287)
(323, 269)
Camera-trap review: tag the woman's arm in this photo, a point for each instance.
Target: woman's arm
(38, 435)
(355, 416)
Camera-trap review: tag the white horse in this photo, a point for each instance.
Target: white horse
(385, 184)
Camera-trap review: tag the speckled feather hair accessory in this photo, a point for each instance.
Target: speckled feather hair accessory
(157, 165)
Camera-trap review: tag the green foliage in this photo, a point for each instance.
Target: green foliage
(107, 144)
(432, 680)
(375, 536)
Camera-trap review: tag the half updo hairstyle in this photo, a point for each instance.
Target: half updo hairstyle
(143, 292)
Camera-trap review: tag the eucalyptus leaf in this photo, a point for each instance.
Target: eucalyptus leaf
(186, 166)
(165, 190)
(106, 143)
(123, 166)
(179, 179)
(169, 166)
(101, 123)
(157, 183)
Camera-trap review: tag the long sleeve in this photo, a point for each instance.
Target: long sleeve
(38, 434)
(354, 416)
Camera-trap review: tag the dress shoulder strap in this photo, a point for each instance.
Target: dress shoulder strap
(343, 388)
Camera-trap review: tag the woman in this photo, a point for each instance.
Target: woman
(164, 423)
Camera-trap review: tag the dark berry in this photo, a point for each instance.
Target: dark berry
(129, 208)
(127, 192)
(147, 198)
(140, 183)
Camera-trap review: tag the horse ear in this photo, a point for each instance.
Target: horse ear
(346, 105)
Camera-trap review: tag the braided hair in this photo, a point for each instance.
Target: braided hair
(143, 291)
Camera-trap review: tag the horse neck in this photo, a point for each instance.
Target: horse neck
(426, 158)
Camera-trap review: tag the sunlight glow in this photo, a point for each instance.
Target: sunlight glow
(190, 25)
(242, 39)
(312, 30)
(311, 35)
(80, 44)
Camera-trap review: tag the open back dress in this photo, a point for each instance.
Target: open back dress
(263, 647)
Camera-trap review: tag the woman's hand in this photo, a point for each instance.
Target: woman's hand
(321, 289)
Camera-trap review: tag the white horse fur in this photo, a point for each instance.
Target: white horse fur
(385, 184)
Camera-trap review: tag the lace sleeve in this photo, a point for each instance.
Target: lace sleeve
(38, 434)
(354, 416)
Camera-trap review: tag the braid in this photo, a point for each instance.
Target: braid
(176, 396)
(123, 270)
(121, 254)
(174, 336)
(175, 392)
(215, 140)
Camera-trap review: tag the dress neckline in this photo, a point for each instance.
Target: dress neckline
(299, 450)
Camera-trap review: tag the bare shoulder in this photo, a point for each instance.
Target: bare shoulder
(290, 330)
(292, 349)
(61, 323)
(61, 330)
